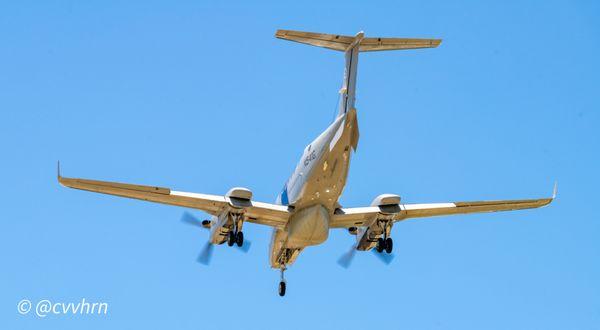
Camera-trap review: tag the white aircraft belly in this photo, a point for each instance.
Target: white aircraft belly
(309, 226)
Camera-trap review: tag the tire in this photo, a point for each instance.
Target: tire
(239, 239)
(389, 245)
(281, 289)
(231, 238)
(380, 244)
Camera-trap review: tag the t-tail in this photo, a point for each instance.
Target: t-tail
(351, 46)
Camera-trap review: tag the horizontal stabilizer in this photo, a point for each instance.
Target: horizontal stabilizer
(343, 43)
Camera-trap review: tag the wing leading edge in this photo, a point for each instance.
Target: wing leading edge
(350, 217)
(256, 212)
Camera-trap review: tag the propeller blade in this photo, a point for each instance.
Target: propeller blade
(384, 257)
(245, 247)
(206, 254)
(190, 219)
(346, 259)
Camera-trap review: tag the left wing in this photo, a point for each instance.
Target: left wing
(360, 216)
(262, 213)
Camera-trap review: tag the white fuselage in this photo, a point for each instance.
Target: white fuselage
(314, 188)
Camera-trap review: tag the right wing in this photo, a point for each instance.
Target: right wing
(262, 213)
(440, 209)
(360, 216)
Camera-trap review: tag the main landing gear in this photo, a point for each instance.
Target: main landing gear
(236, 236)
(385, 243)
(282, 283)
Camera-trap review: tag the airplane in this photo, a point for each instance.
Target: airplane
(308, 206)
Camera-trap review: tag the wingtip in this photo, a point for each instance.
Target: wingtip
(280, 33)
(547, 201)
(58, 175)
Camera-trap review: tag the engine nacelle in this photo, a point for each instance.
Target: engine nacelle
(218, 230)
(239, 192)
(365, 238)
(387, 203)
(231, 218)
(239, 197)
(386, 199)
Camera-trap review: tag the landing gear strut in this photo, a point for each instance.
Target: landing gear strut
(282, 283)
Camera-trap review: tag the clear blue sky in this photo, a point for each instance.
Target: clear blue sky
(201, 97)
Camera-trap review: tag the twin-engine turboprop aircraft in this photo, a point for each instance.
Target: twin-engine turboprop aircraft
(308, 207)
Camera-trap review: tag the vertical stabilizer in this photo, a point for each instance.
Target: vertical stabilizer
(348, 90)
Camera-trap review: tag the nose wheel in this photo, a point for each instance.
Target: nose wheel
(282, 285)
(281, 289)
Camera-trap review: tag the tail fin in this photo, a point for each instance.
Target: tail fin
(352, 46)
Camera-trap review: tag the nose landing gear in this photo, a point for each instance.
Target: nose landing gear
(282, 285)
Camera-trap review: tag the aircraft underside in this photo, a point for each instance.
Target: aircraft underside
(309, 226)
(308, 207)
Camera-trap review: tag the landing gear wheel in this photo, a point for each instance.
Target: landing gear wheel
(239, 239)
(281, 288)
(380, 244)
(389, 245)
(231, 238)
